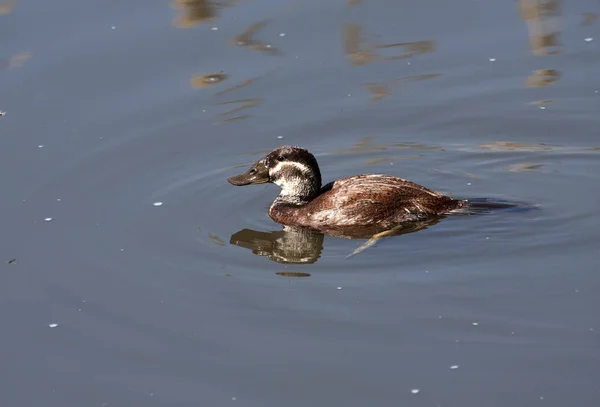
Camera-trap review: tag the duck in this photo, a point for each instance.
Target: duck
(375, 201)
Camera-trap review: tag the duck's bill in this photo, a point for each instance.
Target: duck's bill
(255, 175)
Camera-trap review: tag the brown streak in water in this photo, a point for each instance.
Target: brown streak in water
(195, 12)
(588, 18)
(246, 103)
(541, 17)
(216, 239)
(7, 6)
(354, 45)
(238, 86)
(523, 167)
(384, 89)
(542, 77)
(246, 39)
(205, 80)
(292, 274)
(17, 61)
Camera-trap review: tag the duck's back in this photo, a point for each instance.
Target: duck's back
(375, 199)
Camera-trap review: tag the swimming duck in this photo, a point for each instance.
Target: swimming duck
(375, 201)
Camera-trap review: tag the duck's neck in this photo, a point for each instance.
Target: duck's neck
(297, 191)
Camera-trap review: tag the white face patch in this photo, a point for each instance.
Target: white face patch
(294, 179)
(304, 169)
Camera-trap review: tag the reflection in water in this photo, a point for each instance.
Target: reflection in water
(202, 81)
(290, 245)
(292, 274)
(359, 52)
(246, 39)
(303, 246)
(383, 89)
(6, 6)
(216, 239)
(523, 167)
(542, 77)
(194, 12)
(589, 18)
(542, 23)
(353, 2)
(366, 145)
(505, 146)
(245, 104)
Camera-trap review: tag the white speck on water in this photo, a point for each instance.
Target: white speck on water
(475, 323)
(440, 317)
(203, 110)
(391, 163)
(415, 391)
(282, 34)
(492, 59)
(588, 39)
(2, 113)
(426, 271)
(40, 146)
(48, 219)
(53, 325)
(487, 238)
(113, 27)
(591, 329)
(339, 288)
(151, 394)
(543, 107)
(157, 204)
(408, 63)
(468, 183)
(279, 137)
(214, 28)
(58, 199)
(453, 367)
(268, 46)
(349, 94)
(576, 290)
(512, 333)
(234, 398)
(79, 309)
(122, 250)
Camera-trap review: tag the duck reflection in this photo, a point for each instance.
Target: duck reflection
(294, 245)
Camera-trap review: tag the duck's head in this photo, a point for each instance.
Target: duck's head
(293, 169)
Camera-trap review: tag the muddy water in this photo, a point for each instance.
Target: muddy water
(133, 274)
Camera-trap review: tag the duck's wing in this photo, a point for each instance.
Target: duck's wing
(371, 198)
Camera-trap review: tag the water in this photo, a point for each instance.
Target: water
(112, 107)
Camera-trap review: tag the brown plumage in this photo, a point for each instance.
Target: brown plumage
(374, 201)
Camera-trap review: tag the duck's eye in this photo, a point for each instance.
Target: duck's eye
(253, 171)
(280, 158)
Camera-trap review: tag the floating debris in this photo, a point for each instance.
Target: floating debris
(282, 34)
(158, 203)
(588, 39)
(415, 391)
(492, 59)
(113, 27)
(12, 261)
(40, 146)
(48, 219)
(279, 137)
(339, 288)
(292, 274)
(475, 323)
(214, 28)
(53, 325)
(453, 367)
